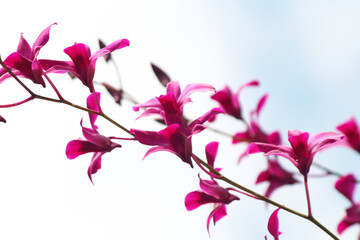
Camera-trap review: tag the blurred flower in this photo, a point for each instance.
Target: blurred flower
(24, 61)
(254, 133)
(302, 150)
(346, 186)
(2, 119)
(83, 62)
(230, 101)
(93, 141)
(273, 225)
(276, 176)
(352, 134)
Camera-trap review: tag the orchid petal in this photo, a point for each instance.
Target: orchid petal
(40, 41)
(150, 137)
(93, 104)
(273, 224)
(194, 87)
(174, 87)
(24, 48)
(154, 102)
(211, 152)
(95, 164)
(346, 186)
(195, 199)
(76, 148)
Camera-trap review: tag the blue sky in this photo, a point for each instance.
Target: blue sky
(305, 54)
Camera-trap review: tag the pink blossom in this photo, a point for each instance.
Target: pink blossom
(302, 150)
(24, 61)
(346, 186)
(83, 62)
(93, 141)
(230, 101)
(352, 134)
(276, 176)
(254, 133)
(173, 138)
(210, 192)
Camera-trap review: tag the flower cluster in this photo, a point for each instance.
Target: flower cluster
(178, 131)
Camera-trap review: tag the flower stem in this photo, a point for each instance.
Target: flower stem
(307, 196)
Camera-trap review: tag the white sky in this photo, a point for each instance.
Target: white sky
(305, 53)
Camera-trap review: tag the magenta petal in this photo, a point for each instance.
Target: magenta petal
(58, 66)
(211, 216)
(174, 87)
(195, 199)
(248, 84)
(298, 140)
(110, 48)
(219, 213)
(95, 164)
(205, 117)
(24, 48)
(76, 148)
(80, 54)
(273, 224)
(346, 186)
(211, 152)
(154, 102)
(190, 88)
(343, 225)
(149, 137)
(41, 40)
(159, 149)
(266, 147)
(261, 104)
(37, 72)
(93, 105)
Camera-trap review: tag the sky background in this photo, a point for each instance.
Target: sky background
(306, 55)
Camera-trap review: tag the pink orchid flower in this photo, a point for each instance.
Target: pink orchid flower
(210, 192)
(24, 61)
(93, 141)
(273, 225)
(83, 62)
(276, 176)
(230, 101)
(173, 138)
(352, 134)
(346, 186)
(302, 150)
(254, 133)
(170, 106)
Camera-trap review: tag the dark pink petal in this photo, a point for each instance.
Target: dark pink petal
(321, 138)
(41, 40)
(149, 137)
(228, 102)
(274, 138)
(342, 226)
(118, 44)
(37, 72)
(15, 60)
(190, 88)
(95, 164)
(266, 147)
(80, 54)
(195, 199)
(160, 149)
(54, 66)
(169, 103)
(214, 189)
(346, 186)
(154, 102)
(93, 104)
(163, 78)
(24, 48)
(298, 140)
(107, 57)
(221, 214)
(205, 117)
(211, 152)
(261, 104)
(273, 224)
(174, 87)
(93, 136)
(76, 148)
(352, 133)
(248, 84)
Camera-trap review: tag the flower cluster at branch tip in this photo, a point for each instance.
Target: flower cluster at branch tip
(352, 134)
(254, 133)
(302, 150)
(82, 64)
(230, 101)
(273, 225)
(211, 192)
(176, 137)
(276, 176)
(93, 142)
(24, 62)
(346, 186)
